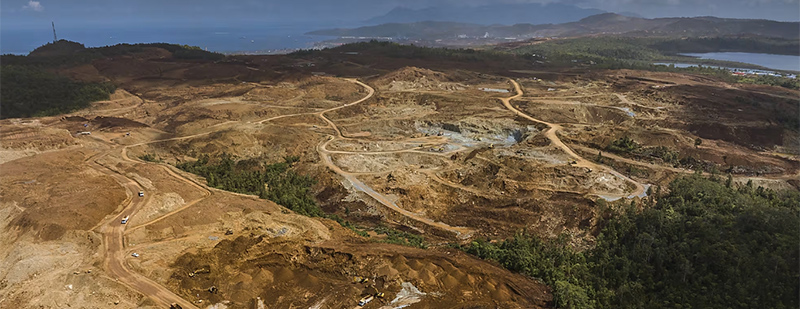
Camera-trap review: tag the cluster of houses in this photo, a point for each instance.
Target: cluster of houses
(744, 72)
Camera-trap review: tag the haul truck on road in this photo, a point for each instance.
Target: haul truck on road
(364, 301)
(125, 220)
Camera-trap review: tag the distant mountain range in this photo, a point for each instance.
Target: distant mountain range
(503, 14)
(606, 23)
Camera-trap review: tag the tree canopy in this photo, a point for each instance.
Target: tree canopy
(704, 244)
(30, 91)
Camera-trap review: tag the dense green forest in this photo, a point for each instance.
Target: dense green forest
(653, 49)
(68, 53)
(395, 50)
(705, 244)
(29, 91)
(275, 182)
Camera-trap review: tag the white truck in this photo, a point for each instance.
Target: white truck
(125, 220)
(365, 300)
(141, 193)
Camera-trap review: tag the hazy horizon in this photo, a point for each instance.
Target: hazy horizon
(25, 13)
(25, 24)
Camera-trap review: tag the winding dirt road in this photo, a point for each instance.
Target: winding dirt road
(552, 135)
(113, 231)
(115, 254)
(325, 155)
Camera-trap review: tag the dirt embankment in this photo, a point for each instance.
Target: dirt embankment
(309, 275)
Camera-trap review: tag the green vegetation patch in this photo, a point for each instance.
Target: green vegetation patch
(652, 49)
(780, 81)
(394, 50)
(68, 53)
(628, 146)
(705, 244)
(401, 238)
(29, 91)
(277, 182)
(150, 157)
(623, 144)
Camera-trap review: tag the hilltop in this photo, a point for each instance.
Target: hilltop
(601, 24)
(500, 13)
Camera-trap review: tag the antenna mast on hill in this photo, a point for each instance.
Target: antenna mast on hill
(55, 38)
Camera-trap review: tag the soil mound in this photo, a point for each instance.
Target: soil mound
(413, 78)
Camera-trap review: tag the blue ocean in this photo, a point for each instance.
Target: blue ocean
(264, 38)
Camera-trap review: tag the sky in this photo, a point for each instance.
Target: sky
(141, 13)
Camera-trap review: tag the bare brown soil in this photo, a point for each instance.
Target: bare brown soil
(451, 151)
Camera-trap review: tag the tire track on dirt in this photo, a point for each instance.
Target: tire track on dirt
(114, 246)
(461, 232)
(552, 135)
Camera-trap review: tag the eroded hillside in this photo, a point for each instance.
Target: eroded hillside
(421, 149)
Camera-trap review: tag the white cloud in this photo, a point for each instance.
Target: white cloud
(33, 5)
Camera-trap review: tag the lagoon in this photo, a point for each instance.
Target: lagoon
(772, 61)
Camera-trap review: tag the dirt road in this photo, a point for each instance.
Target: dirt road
(113, 231)
(325, 155)
(552, 135)
(786, 176)
(115, 255)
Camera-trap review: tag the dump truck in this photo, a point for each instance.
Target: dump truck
(365, 300)
(125, 220)
(141, 193)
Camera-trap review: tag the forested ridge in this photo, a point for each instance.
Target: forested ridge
(31, 88)
(29, 91)
(705, 244)
(395, 50)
